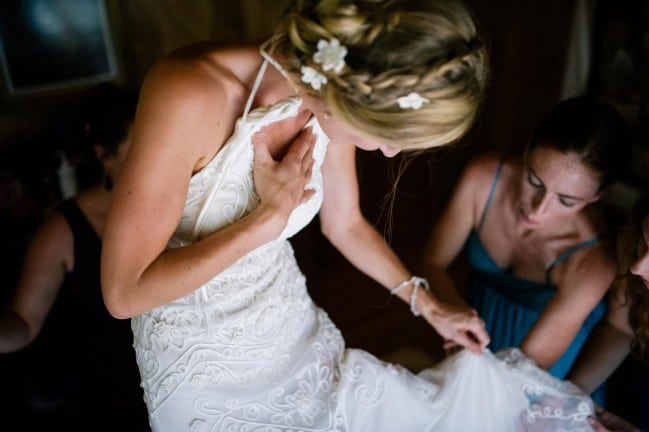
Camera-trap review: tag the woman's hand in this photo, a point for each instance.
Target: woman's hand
(281, 184)
(458, 325)
(605, 421)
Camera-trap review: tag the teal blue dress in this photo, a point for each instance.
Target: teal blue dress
(510, 305)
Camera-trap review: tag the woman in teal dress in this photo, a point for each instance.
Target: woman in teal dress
(540, 256)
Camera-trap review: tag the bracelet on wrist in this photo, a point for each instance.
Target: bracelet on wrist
(416, 281)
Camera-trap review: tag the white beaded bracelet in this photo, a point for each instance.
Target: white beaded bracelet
(417, 282)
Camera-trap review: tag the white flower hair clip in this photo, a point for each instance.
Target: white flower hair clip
(313, 77)
(330, 56)
(412, 100)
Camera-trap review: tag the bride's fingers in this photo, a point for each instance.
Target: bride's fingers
(308, 168)
(302, 146)
(476, 328)
(469, 343)
(449, 344)
(308, 193)
(451, 347)
(262, 153)
(307, 158)
(474, 336)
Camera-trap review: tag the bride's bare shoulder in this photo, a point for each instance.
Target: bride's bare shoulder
(189, 88)
(206, 68)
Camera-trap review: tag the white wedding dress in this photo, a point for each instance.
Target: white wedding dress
(250, 351)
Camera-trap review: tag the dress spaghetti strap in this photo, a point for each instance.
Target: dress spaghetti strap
(255, 87)
(260, 75)
(491, 194)
(558, 260)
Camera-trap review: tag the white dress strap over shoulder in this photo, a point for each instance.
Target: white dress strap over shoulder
(260, 75)
(255, 87)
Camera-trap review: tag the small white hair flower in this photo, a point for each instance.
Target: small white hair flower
(412, 100)
(331, 55)
(313, 77)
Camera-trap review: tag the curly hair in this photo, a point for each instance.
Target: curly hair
(395, 47)
(636, 293)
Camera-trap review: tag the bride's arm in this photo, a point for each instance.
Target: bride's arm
(183, 118)
(344, 225)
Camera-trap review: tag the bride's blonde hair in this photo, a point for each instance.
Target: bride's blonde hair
(395, 47)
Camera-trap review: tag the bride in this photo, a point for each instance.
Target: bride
(229, 158)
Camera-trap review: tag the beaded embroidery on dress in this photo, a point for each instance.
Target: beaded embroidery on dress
(250, 351)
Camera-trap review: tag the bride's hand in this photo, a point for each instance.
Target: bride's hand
(281, 184)
(459, 326)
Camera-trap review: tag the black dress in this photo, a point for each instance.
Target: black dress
(83, 361)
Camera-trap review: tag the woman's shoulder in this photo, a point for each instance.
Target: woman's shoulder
(190, 87)
(593, 249)
(241, 61)
(481, 171)
(205, 69)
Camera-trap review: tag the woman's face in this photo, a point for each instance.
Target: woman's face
(554, 186)
(641, 266)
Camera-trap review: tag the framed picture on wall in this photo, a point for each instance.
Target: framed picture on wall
(48, 45)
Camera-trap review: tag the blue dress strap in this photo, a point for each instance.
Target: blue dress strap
(491, 194)
(558, 260)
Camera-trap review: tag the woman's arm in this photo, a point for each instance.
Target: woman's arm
(187, 110)
(450, 231)
(49, 256)
(344, 225)
(582, 281)
(606, 347)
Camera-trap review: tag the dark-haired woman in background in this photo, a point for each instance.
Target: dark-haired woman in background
(626, 326)
(83, 358)
(540, 255)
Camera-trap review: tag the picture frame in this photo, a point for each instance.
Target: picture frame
(54, 45)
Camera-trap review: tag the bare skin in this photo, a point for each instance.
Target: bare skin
(176, 135)
(537, 212)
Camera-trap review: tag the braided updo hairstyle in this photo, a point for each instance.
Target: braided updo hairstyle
(395, 47)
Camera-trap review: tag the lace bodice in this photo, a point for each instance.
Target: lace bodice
(223, 191)
(246, 326)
